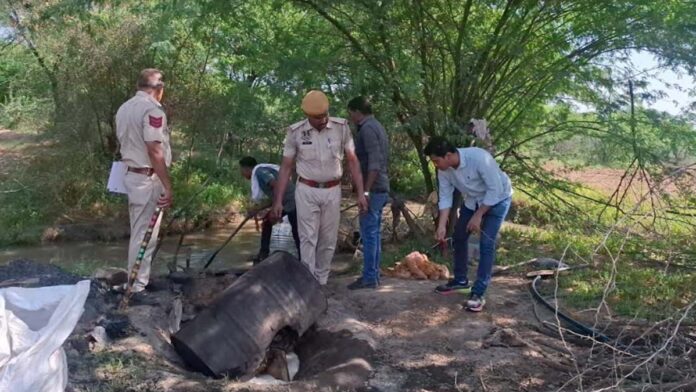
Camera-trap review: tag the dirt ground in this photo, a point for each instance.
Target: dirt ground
(427, 342)
(400, 337)
(403, 336)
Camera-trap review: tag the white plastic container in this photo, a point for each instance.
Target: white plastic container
(281, 238)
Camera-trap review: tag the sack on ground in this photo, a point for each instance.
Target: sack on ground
(417, 266)
(34, 323)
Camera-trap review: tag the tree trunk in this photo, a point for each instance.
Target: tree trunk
(221, 149)
(425, 169)
(50, 74)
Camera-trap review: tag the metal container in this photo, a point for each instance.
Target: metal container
(230, 337)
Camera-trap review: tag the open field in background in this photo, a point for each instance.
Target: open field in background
(607, 180)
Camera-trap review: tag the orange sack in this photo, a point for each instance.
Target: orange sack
(417, 266)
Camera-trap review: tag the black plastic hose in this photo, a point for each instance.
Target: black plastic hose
(574, 325)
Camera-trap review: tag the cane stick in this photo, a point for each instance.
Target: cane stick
(227, 241)
(139, 259)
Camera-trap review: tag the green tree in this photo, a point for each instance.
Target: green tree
(444, 62)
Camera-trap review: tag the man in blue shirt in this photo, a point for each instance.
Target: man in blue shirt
(263, 179)
(487, 193)
(372, 149)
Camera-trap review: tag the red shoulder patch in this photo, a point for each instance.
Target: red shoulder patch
(155, 122)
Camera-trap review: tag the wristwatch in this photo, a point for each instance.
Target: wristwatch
(366, 194)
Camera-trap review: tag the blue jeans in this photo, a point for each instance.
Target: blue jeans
(490, 225)
(371, 236)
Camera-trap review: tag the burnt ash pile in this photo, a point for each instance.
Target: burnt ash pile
(274, 308)
(29, 273)
(261, 319)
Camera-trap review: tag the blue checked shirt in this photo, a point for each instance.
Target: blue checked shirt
(478, 178)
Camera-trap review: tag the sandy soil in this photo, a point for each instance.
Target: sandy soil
(427, 342)
(402, 337)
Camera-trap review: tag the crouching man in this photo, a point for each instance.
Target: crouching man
(264, 178)
(487, 193)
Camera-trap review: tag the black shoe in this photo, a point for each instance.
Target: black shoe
(453, 287)
(359, 284)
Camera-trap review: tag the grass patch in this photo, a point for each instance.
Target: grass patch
(517, 245)
(108, 371)
(643, 292)
(643, 286)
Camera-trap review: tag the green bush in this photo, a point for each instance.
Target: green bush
(202, 187)
(406, 177)
(25, 113)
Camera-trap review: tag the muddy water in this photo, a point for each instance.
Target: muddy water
(85, 257)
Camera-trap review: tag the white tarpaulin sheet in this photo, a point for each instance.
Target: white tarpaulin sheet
(34, 323)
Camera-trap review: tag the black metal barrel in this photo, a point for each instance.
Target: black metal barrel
(230, 337)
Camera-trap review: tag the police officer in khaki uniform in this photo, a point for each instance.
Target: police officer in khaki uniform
(141, 128)
(317, 145)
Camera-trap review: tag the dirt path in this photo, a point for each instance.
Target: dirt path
(406, 338)
(427, 342)
(11, 144)
(401, 337)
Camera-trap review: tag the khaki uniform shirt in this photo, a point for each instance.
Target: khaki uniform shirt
(139, 120)
(319, 154)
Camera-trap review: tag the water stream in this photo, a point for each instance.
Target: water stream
(84, 257)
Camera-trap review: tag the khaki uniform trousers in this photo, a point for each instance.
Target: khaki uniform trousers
(143, 193)
(318, 217)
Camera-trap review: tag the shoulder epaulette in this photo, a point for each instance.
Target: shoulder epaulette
(338, 120)
(297, 125)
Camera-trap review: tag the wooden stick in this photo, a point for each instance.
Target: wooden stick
(141, 254)
(227, 241)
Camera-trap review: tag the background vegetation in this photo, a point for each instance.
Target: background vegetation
(543, 73)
